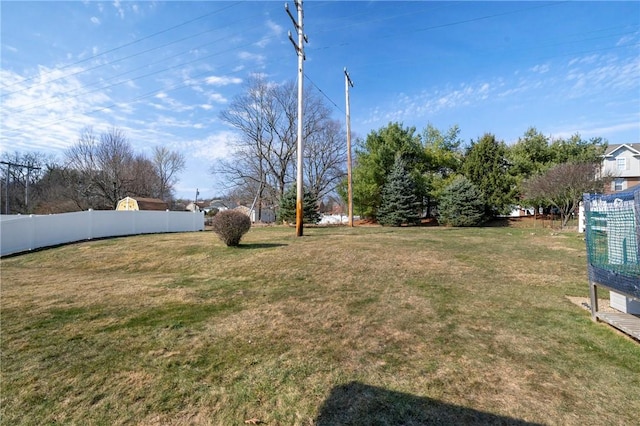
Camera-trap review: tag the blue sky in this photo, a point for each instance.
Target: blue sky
(163, 71)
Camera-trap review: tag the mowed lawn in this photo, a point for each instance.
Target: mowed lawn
(362, 326)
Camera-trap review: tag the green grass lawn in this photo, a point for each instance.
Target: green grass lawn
(371, 326)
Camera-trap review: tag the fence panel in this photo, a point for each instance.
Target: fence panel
(23, 233)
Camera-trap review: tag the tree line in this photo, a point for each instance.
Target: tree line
(433, 174)
(95, 173)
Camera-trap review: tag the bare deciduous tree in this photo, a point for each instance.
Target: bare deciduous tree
(167, 166)
(263, 156)
(325, 158)
(108, 169)
(564, 185)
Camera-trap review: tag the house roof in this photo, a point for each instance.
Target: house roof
(151, 204)
(612, 148)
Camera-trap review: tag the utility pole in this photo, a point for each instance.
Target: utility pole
(9, 164)
(299, 47)
(347, 83)
(6, 188)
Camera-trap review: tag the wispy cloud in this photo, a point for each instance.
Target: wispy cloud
(630, 38)
(256, 58)
(222, 81)
(119, 8)
(38, 115)
(598, 129)
(95, 20)
(217, 98)
(214, 146)
(609, 74)
(541, 69)
(581, 78)
(274, 31)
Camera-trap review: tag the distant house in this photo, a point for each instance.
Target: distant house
(198, 207)
(138, 203)
(222, 204)
(622, 161)
(266, 215)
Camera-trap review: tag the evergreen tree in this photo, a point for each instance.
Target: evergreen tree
(486, 166)
(374, 161)
(399, 203)
(461, 204)
(287, 207)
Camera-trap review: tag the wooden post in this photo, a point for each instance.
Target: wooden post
(593, 294)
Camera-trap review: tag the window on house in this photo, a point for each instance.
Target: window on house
(619, 185)
(622, 164)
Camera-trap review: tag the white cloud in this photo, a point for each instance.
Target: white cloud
(275, 28)
(253, 57)
(627, 39)
(10, 48)
(213, 147)
(217, 98)
(95, 20)
(541, 69)
(275, 31)
(119, 8)
(222, 81)
(40, 112)
(587, 130)
(206, 107)
(610, 74)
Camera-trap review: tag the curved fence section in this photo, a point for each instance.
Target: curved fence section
(23, 233)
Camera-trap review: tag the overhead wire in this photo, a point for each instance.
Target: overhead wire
(175, 87)
(177, 66)
(136, 41)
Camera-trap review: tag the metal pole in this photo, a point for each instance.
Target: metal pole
(347, 83)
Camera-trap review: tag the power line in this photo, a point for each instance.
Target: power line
(324, 94)
(128, 102)
(132, 42)
(118, 60)
(451, 24)
(180, 65)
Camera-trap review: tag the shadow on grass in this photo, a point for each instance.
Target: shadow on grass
(253, 246)
(359, 404)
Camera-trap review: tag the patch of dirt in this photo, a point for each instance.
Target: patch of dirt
(585, 303)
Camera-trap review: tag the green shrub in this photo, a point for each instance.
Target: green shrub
(230, 226)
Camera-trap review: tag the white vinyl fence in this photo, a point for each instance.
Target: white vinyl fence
(23, 233)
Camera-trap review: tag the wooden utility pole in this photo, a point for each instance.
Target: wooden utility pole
(347, 83)
(299, 47)
(26, 187)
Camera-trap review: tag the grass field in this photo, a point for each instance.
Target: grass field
(371, 326)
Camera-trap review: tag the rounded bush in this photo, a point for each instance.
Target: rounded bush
(230, 226)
